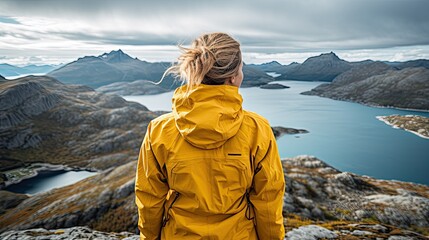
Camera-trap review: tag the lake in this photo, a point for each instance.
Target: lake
(47, 180)
(345, 135)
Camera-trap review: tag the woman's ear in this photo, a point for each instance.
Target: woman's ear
(229, 81)
(233, 79)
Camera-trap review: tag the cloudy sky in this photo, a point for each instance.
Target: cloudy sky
(60, 31)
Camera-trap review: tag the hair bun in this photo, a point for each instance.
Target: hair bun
(213, 56)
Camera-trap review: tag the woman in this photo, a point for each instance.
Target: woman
(209, 169)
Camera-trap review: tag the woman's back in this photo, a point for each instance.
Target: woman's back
(209, 170)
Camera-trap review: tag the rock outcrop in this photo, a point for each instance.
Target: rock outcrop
(41, 118)
(377, 84)
(351, 231)
(67, 233)
(318, 191)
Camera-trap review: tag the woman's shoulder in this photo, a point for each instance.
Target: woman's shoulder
(254, 117)
(162, 120)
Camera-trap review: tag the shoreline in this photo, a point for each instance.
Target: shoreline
(381, 118)
(398, 108)
(34, 169)
(367, 104)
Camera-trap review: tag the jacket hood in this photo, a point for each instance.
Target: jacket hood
(208, 115)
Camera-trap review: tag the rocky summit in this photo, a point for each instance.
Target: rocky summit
(341, 204)
(44, 120)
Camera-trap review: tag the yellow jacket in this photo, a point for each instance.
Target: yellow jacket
(209, 170)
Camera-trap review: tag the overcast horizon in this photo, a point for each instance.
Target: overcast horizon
(53, 32)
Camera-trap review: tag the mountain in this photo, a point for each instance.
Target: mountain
(377, 83)
(117, 66)
(40, 68)
(254, 77)
(267, 67)
(413, 63)
(139, 87)
(324, 67)
(316, 193)
(108, 68)
(8, 70)
(276, 67)
(45, 120)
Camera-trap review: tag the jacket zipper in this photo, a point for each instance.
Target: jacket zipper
(167, 216)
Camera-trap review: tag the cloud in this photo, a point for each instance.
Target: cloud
(264, 28)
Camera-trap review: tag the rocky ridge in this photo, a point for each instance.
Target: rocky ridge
(377, 84)
(86, 128)
(316, 193)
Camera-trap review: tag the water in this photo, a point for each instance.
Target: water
(345, 135)
(23, 75)
(47, 180)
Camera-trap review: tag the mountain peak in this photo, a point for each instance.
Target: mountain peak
(324, 57)
(115, 56)
(272, 63)
(331, 55)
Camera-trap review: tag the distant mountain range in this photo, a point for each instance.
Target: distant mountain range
(118, 66)
(8, 70)
(117, 72)
(325, 67)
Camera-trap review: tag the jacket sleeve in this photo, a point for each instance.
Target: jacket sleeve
(268, 190)
(151, 190)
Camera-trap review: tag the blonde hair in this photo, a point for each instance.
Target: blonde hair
(211, 59)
